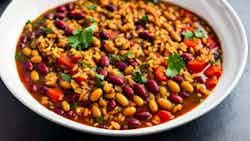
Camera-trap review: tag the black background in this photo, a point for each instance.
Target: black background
(230, 121)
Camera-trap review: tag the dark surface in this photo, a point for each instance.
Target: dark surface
(227, 122)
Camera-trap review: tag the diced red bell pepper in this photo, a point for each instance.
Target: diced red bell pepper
(191, 42)
(65, 61)
(160, 75)
(79, 79)
(165, 116)
(196, 66)
(76, 58)
(211, 82)
(211, 42)
(213, 70)
(55, 94)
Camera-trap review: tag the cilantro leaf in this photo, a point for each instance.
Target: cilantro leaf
(125, 56)
(188, 34)
(73, 106)
(90, 7)
(175, 64)
(28, 22)
(85, 64)
(199, 33)
(137, 76)
(48, 30)
(113, 58)
(65, 77)
(82, 39)
(92, 20)
(99, 120)
(144, 19)
(17, 55)
(100, 79)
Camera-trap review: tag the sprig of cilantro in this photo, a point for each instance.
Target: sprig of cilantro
(48, 30)
(90, 7)
(99, 120)
(100, 79)
(66, 77)
(137, 76)
(175, 64)
(144, 19)
(198, 33)
(83, 38)
(188, 34)
(125, 56)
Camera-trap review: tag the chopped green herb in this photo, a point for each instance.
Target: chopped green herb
(73, 106)
(65, 77)
(85, 64)
(82, 39)
(113, 58)
(175, 64)
(90, 7)
(125, 56)
(17, 55)
(154, 1)
(48, 30)
(100, 79)
(212, 62)
(92, 20)
(28, 22)
(137, 76)
(99, 120)
(188, 34)
(199, 33)
(143, 67)
(98, 76)
(217, 56)
(144, 19)
(39, 22)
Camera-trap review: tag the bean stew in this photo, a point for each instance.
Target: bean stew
(119, 64)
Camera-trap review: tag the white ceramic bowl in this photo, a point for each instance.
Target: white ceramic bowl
(218, 13)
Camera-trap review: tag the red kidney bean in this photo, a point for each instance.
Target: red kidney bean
(152, 86)
(43, 89)
(104, 61)
(184, 94)
(61, 9)
(128, 90)
(85, 103)
(121, 65)
(178, 79)
(70, 6)
(60, 24)
(31, 36)
(175, 98)
(42, 68)
(199, 79)
(68, 31)
(22, 41)
(103, 126)
(59, 111)
(138, 26)
(50, 16)
(115, 79)
(104, 35)
(133, 62)
(60, 15)
(146, 36)
(111, 104)
(76, 15)
(73, 98)
(124, 127)
(28, 65)
(70, 114)
(103, 72)
(140, 90)
(143, 115)
(187, 57)
(133, 123)
(33, 88)
(111, 7)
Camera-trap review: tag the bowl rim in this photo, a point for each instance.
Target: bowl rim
(146, 130)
